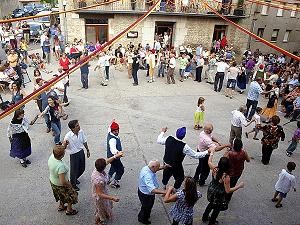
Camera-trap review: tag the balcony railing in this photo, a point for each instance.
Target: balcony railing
(175, 6)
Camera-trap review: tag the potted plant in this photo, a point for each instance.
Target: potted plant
(239, 11)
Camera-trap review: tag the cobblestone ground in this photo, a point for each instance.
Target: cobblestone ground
(25, 193)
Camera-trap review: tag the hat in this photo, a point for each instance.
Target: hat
(153, 51)
(261, 66)
(180, 133)
(114, 126)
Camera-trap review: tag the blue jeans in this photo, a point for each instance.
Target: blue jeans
(161, 70)
(292, 147)
(56, 127)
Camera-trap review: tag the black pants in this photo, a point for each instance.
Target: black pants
(266, 153)
(77, 166)
(198, 73)
(253, 105)
(44, 55)
(147, 202)
(213, 216)
(117, 167)
(134, 76)
(107, 72)
(177, 173)
(233, 182)
(176, 223)
(219, 80)
(148, 67)
(202, 169)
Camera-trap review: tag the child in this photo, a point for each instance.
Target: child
(199, 114)
(183, 210)
(257, 124)
(285, 182)
(295, 139)
(187, 70)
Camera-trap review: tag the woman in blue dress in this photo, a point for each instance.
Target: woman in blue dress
(17, 133)
(183, 210)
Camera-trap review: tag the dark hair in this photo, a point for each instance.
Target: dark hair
(223, 167)
(36, 70)
(291, 166)
(258, 109)
(275, 120)
(18, 112)
(237, 145)
(100, 165)
(72, 124)
(234, 64)
(190, 191)
(298, 124)
(17, 84)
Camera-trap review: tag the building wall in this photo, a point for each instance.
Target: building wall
(272, 21)
(7, 6)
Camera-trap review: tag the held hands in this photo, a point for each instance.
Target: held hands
(166, 166)
(115, 199)
(171, 189)
(119, 154)
(164, 129)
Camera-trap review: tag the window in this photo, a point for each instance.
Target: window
(279, 12)
(264, 10)
(293, 13)
(260, 32)
(274, 35)
(286, 36)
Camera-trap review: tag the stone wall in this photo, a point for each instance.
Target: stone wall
(7, 6)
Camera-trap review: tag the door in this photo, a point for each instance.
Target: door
(219, 31)
(96, 33)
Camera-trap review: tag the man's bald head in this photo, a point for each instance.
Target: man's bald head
(208, 128)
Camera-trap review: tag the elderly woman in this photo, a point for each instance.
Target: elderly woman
(218, 188)
(272, 133)
(237, 157)
(17, 133)
(103, 201)
(59, 180)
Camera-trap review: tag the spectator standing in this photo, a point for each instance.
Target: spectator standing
(221, 69)
(294, 142)
(84, 73)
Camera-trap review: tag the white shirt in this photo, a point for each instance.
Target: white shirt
(59, 85)
(75, 142)
(221, 67)
(113, 144)
(186, 150)
(107, 58)
(256, 120)
(172, 62)
(101, 61)
(233, 72)
(238, 119)
(43, 38)
(285, 182)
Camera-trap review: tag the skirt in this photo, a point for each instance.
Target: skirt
(20, 145)
(270, 112)
(64, 194)
(241, 82)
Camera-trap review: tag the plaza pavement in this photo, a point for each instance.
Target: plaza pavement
(25, 194)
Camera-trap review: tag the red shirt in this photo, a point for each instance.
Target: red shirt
(73, 50)
(64, 63)
(236, 160)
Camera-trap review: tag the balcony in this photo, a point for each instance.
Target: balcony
(167, 7)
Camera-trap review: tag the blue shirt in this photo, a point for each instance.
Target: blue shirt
(147, 181)
(254, 91)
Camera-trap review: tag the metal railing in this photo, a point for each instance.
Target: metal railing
(179, 6)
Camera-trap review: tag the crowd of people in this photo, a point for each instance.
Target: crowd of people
(269, 75)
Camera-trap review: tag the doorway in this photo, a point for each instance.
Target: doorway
(219, 32)
(161, 29)
(96, 30)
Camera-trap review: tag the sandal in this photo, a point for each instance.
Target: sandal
(60, 209)
(278, 206)
(73, 212)
(274, 199)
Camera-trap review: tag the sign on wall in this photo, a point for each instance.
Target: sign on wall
(132, 34)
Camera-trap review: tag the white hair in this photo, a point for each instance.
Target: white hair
(153, 163)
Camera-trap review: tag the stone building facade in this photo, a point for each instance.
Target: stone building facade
(279, 26)
(7, 6)
(185, 28)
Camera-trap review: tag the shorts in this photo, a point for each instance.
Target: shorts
(231, 83)
(281, 194)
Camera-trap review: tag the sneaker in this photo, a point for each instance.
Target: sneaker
(288, 154)
(115, 184)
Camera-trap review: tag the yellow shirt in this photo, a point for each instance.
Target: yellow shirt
(23, 46)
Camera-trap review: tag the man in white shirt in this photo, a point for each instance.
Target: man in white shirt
(221, 69)
(101, 66)
(106, 64)
(175, 151)
(74, 141)
(172, 65)
(42, 39)
(199, 67)
(238, 120)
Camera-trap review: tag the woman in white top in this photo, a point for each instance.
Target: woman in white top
(232, 74)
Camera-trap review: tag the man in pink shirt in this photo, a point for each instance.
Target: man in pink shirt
(206, 142)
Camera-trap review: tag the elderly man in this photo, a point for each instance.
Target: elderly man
(206, 142)
(175, 151)
(237, 122)
(74, 141)
(148, 187)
